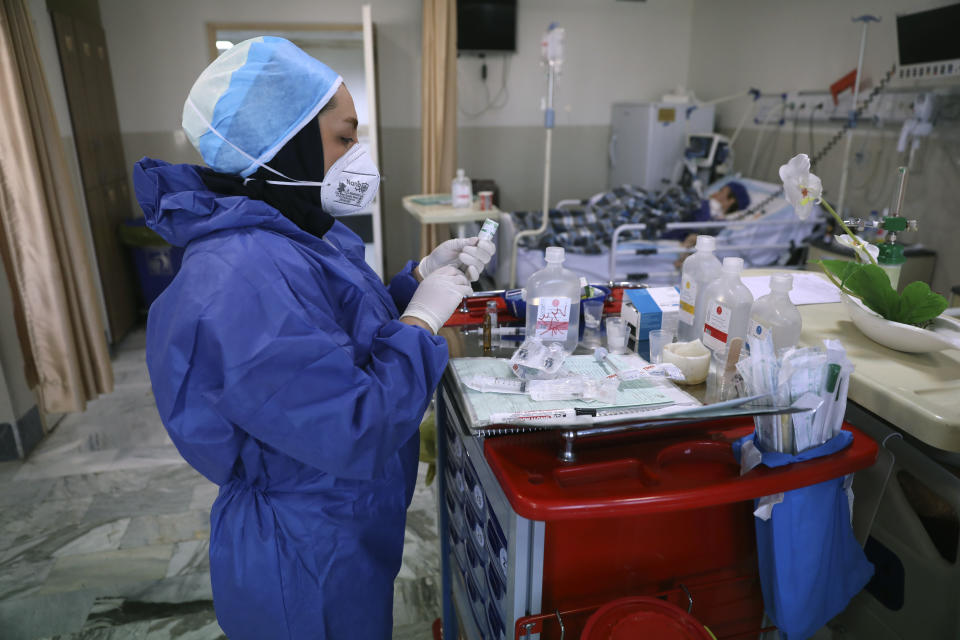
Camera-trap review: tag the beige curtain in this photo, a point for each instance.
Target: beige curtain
(438, 117)
(43, 247)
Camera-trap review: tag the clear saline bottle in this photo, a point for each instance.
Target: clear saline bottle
(461, 191)
(775, 313)
(727, 310)
(553, 303)
(699, 270)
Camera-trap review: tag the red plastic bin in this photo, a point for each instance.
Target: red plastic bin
(646, 513)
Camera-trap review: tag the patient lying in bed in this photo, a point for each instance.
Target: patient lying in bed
(729, 202)
(589, 229)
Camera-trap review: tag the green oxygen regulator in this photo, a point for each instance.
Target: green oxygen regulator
(891, 256)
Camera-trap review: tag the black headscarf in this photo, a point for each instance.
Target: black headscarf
(300, 159)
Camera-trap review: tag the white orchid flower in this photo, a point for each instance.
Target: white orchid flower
(866, 252)
(802, 188)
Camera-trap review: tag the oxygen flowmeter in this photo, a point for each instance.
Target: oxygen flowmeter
(891, 256)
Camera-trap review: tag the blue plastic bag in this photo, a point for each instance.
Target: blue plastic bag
(810, 563)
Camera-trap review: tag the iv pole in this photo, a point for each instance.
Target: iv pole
(552, 51)
(841, 197)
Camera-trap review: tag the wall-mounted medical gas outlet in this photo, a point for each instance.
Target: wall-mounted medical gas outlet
(804, 105)
(894, 106)
(770, 109)
(891, 107)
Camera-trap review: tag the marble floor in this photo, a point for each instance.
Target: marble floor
(104, 531)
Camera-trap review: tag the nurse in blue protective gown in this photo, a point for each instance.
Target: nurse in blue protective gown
(283, 369)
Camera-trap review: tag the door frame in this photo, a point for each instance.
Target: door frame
(213, 27)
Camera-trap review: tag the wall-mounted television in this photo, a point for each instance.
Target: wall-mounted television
(486, 25)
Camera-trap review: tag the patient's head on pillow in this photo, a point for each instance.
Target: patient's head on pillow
(732, 197)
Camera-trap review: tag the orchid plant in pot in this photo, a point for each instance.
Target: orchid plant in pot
(864, 279)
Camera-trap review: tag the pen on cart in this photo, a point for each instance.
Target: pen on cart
(832, 389)
(547, 417)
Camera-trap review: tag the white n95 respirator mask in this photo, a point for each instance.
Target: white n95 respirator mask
(716, 209)
(349, 186)
(351, 183)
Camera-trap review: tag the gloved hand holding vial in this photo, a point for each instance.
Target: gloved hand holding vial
(469, 254)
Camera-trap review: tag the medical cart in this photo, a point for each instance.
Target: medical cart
(531, 546)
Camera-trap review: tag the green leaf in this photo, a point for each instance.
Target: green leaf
(867, 282)
(872, 284)
(842, 269)
(919, 305)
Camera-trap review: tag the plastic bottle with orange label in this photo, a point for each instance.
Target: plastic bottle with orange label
(699, 270)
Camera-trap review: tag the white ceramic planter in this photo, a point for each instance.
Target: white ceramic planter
(943, 332)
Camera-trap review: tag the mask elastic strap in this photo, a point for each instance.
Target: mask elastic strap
(293, 183)
(343, 161)
(247, 155)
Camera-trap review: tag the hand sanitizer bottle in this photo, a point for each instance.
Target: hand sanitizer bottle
(461, 191)
(553, 303)
(727, 309)
(776, 314)
(699, 270)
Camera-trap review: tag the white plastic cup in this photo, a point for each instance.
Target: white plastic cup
(592, 313)
(659, 338)
(616, 335)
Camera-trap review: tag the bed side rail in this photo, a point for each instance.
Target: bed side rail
(731, 224)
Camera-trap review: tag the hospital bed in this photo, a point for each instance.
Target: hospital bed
(768, 236)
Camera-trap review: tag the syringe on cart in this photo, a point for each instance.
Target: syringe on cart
(505, 333)
(493, 384)
(602, 356)
(665, 370)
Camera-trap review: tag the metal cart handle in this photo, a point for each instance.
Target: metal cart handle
(529, 627)
(570, 436)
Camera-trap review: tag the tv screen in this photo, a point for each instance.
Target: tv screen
(486, 25)
(929, 36)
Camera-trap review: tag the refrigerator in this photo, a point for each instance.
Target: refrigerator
(647, 141)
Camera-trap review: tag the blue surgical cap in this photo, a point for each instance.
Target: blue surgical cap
(739, 193)
(252, 99)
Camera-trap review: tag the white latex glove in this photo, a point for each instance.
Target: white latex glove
(438, 296)
(470, 254)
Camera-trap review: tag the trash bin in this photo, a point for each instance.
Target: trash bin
(638, 617)
(156, 261)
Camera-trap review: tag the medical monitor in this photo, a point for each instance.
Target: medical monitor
(928, 43)
(487, 25)
(699, 147)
